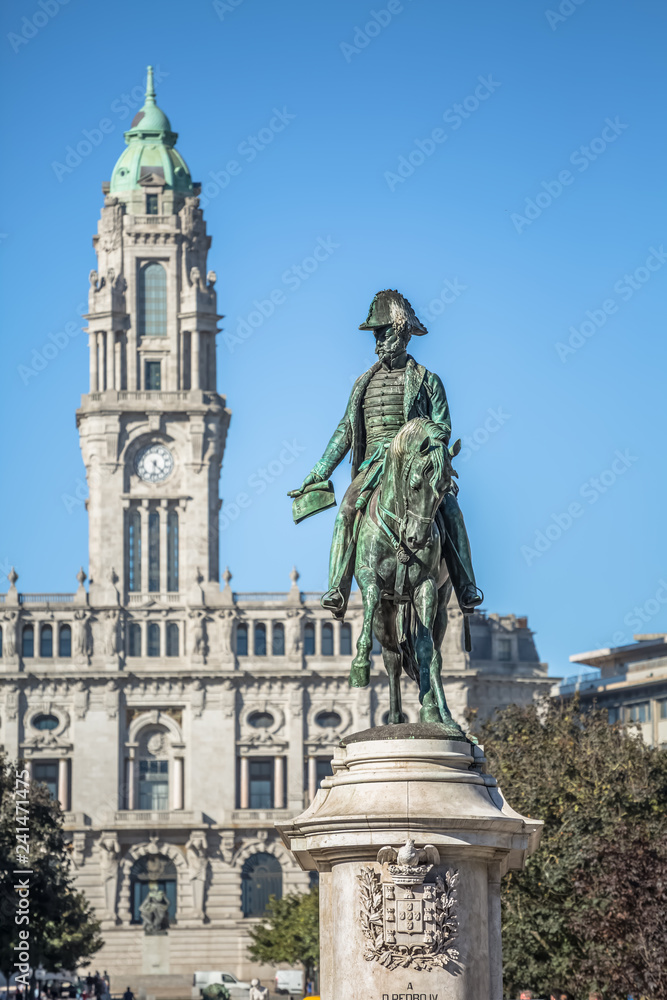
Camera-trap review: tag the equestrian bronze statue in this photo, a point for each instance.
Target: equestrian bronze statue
(399, 529)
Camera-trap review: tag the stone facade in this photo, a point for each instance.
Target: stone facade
(175, 720)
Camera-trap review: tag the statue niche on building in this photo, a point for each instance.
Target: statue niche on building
(153, 888)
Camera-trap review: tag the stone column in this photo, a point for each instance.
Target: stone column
(63, 783)
(195, 366)
(177, 785)
(131, 783)
(278, 782)
(118, 360)
(244, 797)
(411, 839)
(110, 338)
(92, 345)
(312, 778)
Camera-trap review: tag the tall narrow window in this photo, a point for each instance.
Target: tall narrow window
(187, 360)
(154, 784)
(152, 375)
(28, 641)
(153, 551)
(152, 301)
(242, 639)
(261, 878)
(134, 551)
(151, 204)
(172, 639)
(134, 640)
(309, 639)
(65, 640)
(261, 774)
(327, 639)
(346, 639)
(172, 550)
(260, 639)
(278, 639)
(46, 773)
(0, 640)
(46, 641)
(153, 639)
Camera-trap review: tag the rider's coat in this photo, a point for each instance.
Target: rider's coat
(423, 396)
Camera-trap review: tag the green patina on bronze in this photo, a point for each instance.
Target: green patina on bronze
(399, 529)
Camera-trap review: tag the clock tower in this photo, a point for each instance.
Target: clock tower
(153, 426)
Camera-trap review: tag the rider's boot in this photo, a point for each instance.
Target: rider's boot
(459, 558)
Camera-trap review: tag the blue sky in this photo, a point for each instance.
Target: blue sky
(501, 164)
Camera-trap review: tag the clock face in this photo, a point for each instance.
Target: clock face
(154, 463)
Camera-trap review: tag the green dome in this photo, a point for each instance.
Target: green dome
(150, 150)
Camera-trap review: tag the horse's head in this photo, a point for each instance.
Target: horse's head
(421, 474)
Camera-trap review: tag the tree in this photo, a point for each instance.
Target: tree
(599, 789)
(290, 931)
(61, 929)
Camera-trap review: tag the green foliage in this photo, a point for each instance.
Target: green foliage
(216, 991)
(290, 931)
(599, 790)
(63, 932)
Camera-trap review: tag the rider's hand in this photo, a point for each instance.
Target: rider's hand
(311, 478)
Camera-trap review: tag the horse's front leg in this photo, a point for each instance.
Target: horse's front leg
(431, 607)
(393, 660)
(360, 670)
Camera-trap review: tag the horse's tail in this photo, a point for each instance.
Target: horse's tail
(407, 631)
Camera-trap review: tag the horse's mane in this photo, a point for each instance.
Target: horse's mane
(410, 436)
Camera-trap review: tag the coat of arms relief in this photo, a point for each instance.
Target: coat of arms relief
(409, 922)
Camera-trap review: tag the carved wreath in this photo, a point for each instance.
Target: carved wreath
(422, 957)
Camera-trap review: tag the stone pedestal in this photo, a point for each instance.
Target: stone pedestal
(155, 955)
(411, 841)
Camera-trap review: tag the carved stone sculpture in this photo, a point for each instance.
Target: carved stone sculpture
(196, 850)
(109, 856)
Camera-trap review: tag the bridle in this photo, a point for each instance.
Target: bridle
(397, 536)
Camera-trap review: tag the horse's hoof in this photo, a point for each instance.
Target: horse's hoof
(360, 674)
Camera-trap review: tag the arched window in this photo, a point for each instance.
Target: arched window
(278, 639)
(65, 640)
(134, 551)
(261, 877)
(134, 639)
(28, 641)
(161, 872)
(346, 639)
(172, 639)
(242, 639)
(327, 639)
(172, 550)
(309, 639)
(154, 769)
(260, 639)
(46, 641)
(153, 551)
(152, 304)
(153, 646)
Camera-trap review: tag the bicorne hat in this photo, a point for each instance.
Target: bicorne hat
(390, 308)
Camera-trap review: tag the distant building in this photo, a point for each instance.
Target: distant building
(630, 682)
(177, 721)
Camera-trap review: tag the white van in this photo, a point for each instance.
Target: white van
(237, 989)
(290, 981)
